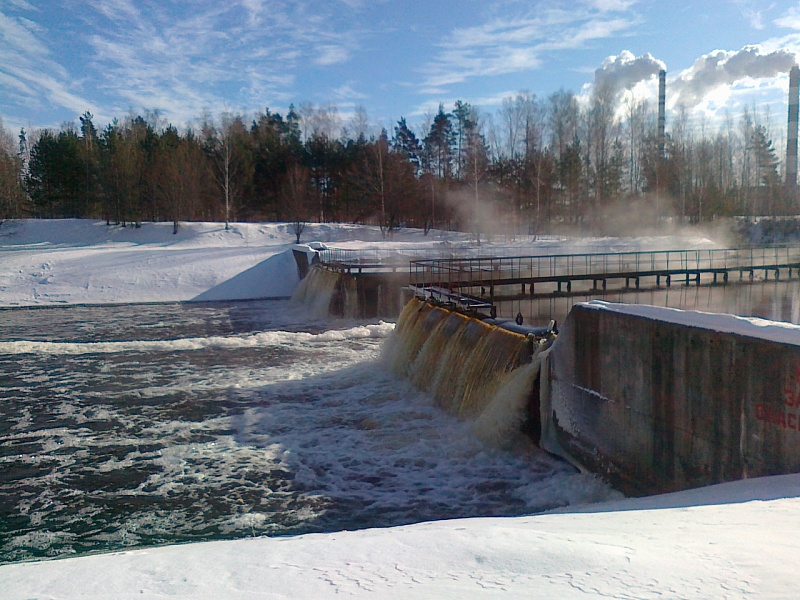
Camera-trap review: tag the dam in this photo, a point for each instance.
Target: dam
(652, 399)
(659, 400)
(357, 284)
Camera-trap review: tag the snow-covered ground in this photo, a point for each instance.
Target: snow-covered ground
(730, 541)
(733, 540)
(77, 261)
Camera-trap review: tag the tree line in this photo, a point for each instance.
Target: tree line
(535, 165)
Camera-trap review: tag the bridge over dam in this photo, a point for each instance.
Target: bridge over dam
(496, 278)
(538, 287)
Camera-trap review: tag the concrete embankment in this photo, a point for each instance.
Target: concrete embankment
(658, 400)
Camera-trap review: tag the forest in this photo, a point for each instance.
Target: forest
(536, 165)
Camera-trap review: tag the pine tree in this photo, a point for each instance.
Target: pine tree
(438, 146)
(407, 144)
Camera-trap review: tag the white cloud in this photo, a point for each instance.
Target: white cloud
(119, 11)
(722, 68)
(255, 9)
(346, 92)
(756, 19)
(23, 5)
(183, 61)
(175, 57)
(520, 43)
(624, 71)
(331, 55)
(612, 5)
(29, 71)
(790, 19)
(20, 36)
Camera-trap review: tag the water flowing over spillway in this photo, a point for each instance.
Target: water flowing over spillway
(326, 293)
(316, 290)
(472, 369)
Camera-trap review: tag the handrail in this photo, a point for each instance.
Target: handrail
(462, 271)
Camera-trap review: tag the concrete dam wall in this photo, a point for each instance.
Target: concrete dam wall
(658, 400)
(331, 292)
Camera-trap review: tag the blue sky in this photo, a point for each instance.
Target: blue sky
(59, 58)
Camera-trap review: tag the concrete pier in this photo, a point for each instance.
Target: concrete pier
(659, 400)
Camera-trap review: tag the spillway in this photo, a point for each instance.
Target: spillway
(652, 400)
(329, 291)
(650, 407)
(474, 369)
(326, 292)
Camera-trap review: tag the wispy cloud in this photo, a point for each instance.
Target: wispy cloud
(347, 93)
(612, 5)
(331, 55)
(30, 74)
(519, 43)
(482, 103)
(185, 60)
(790, 19)
(119, 11)
(176, 57)
(23, 5)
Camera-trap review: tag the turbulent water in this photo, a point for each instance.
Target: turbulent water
(141, 425)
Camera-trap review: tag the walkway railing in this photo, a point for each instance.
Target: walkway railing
(489, 273)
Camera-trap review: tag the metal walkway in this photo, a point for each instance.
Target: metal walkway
(482, 279)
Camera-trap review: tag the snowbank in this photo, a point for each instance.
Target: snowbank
(774, 331)
(731, 540)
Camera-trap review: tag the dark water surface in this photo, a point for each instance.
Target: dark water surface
(774, 300)
(142, 425)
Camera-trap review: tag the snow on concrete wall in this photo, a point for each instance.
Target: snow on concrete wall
(659, 400)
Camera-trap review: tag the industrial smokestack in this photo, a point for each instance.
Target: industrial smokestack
(662, 111)
(791, 137)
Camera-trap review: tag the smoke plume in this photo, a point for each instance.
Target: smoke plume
(619, 73)
(723, 67)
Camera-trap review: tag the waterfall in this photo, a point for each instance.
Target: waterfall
(357, 295)
(473, 369)
(327, 293)
(317, 290)
(508, 410)
(350, 305)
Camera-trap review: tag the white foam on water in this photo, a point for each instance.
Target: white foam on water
(273, 432)
(255, 340)
(373, 438)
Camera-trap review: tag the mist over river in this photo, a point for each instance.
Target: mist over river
(140, 425)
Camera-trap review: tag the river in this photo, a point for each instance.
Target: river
(139, 425)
